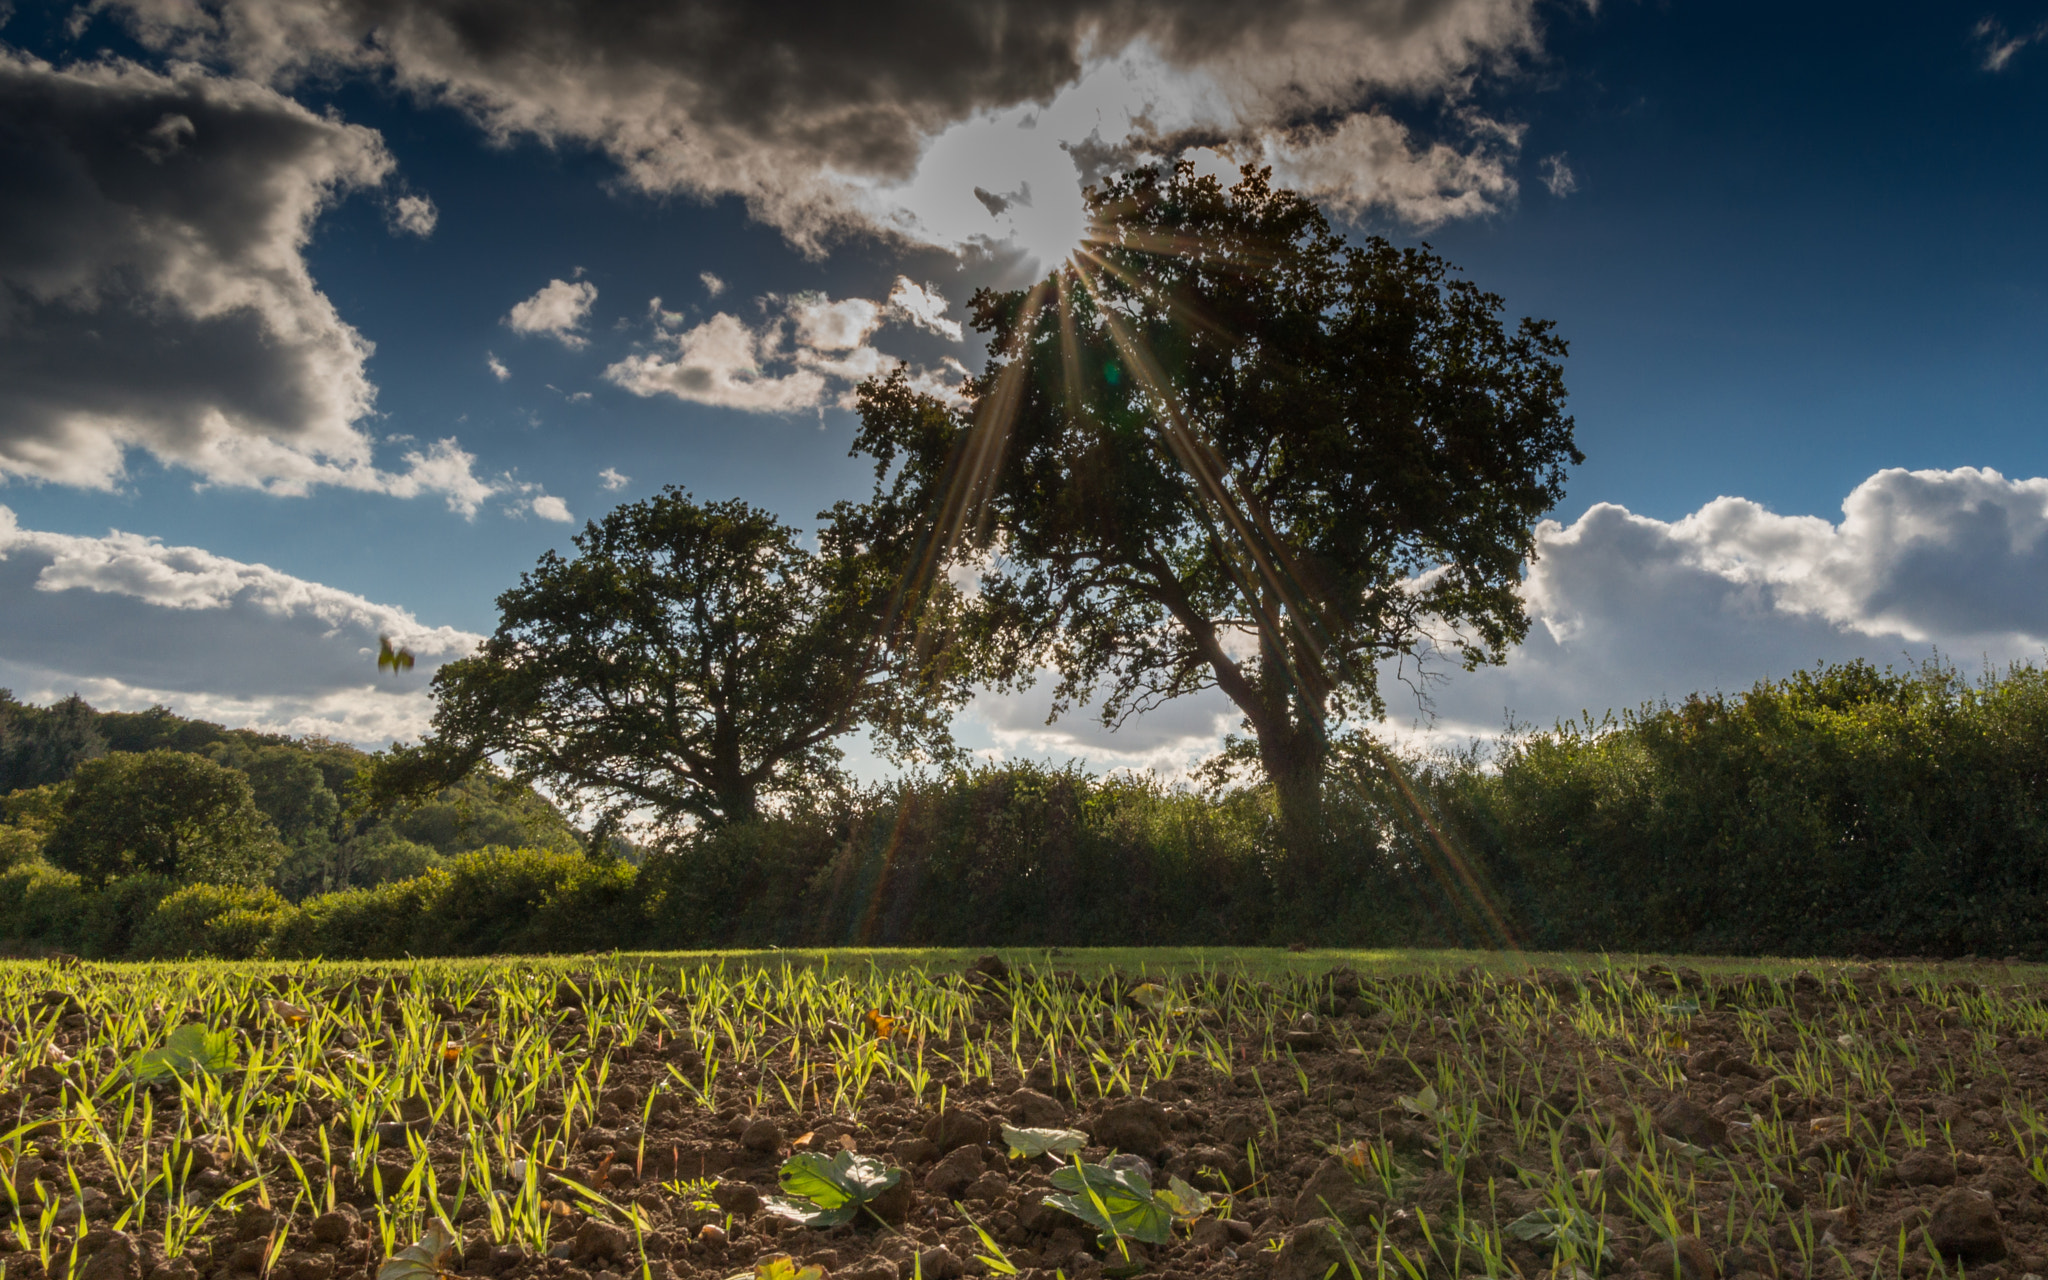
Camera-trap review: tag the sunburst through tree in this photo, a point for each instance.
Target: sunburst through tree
(1221, 447)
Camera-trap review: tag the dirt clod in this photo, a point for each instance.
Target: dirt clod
(1137, 1126)
(1312, 1249)
(1688, 1121)
(1965, 1226)
(1926, 1168)
(1686, 1258)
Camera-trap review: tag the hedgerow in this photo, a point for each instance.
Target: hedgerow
(1841, 811)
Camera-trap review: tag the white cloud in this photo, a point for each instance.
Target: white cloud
(825, 325)
(558, 310)
(822, 129)
(1371, 162)
(1626, 610)
(810, 351)
(129, 622)
(2000, 45)
(719, 363)
(712, 284)
(613, 480)
(1558, 178)
(924, 306)
(414, 215)
(496, 366)
(549, 507)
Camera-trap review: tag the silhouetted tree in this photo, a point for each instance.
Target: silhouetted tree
(691, 660)
(1223, 448)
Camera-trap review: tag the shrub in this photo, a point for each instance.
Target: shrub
(230, 921)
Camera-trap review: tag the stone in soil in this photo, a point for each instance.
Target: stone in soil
(761, 1135)
(1331, 1191)
(1030, 1109)
(950, 1177)
(954, 1128)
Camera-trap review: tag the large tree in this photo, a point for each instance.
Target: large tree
(167, 813)
(1223, 448)
(690, 661)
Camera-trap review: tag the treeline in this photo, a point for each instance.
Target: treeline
(1846, 810)
(109, 795)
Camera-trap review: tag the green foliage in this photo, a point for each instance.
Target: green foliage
(26, 820)
(231, 921)
(165, 813)
(43, 906)
(1843, 810)
(1118, 1203)
(190, 1051)
(692, 659)
(830, 1190)
(43, 745)
(1564, 1229)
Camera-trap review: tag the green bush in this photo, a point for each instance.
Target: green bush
(230, 921)
(42, 906)
(380, 923)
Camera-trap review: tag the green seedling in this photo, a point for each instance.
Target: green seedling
(1184, 1202)
(995, 1259)
(828, 1191)
(1026, 1144)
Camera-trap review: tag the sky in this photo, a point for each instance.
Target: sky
(323, 319)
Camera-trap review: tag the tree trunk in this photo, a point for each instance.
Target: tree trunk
(1294, 763)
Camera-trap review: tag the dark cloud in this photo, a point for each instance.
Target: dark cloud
(814, 112)
(153, 291)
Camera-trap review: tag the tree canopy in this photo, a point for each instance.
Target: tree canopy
(691, 660)
(1222, 448)
(166, 813)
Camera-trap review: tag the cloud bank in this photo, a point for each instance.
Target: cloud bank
(1626, 610)
(129, 622)
(886, 118)
(154, 294)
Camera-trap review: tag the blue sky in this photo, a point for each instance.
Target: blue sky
(1797, 253)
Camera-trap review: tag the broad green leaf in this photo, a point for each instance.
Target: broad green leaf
(1425, 1103)
(1116, 1202)
(191, 1050)
(807, 1213)
(825, 1191)
(421, 1260)
(1183, 1201)
(1560, 1228)
(1026, 1143)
